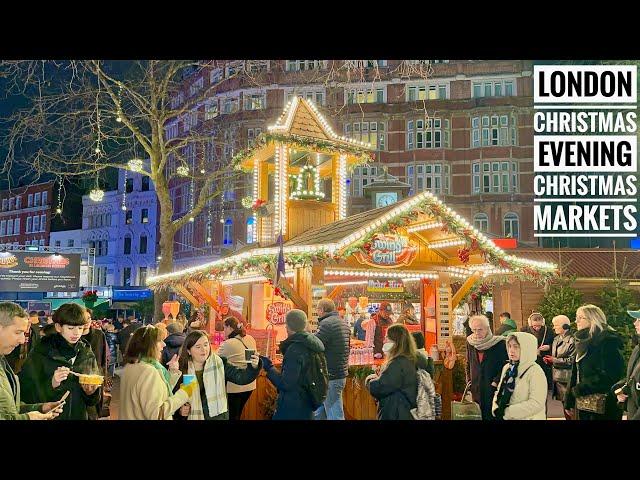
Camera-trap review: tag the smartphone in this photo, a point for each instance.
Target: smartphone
(248, 354)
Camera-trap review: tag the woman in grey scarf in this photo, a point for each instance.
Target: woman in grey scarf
(486, 355)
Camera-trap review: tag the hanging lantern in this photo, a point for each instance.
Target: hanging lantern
(182, 170)
(135, 164)
(96, 195)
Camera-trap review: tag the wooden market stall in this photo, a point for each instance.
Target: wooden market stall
(412, 249)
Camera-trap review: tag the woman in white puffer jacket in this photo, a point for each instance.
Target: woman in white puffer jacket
(522, 392)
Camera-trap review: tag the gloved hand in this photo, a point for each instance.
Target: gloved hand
(189, 389)
(266, 363)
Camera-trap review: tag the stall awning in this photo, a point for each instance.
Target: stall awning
(56, 302)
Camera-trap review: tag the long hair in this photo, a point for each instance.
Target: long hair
(236, 326)
(596, 317)
(404, 344)
(190, 341)
(143, 343)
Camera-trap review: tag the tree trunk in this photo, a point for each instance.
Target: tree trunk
(165, 264)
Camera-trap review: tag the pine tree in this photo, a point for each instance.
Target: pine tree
(561, 298)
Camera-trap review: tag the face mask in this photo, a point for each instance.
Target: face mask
(386, 348)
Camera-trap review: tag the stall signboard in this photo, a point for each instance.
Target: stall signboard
(121, 295)
(444, 314)
(385, 285)
(39, 272)
(388, 251)
(276, 312)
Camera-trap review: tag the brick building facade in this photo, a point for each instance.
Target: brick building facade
(462, 129)
(25, 215)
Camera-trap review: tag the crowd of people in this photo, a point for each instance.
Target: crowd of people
(511, 374)
(170, 370)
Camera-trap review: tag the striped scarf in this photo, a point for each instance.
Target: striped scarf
(214, 386)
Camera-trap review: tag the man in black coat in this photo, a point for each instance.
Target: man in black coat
(486, 355)
(173, 342)
(545, 336)
(130, 326)
(335, 335)
(294, 402)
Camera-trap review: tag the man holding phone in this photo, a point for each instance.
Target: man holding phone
(14, 323)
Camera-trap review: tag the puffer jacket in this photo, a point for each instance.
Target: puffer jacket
(335, 336)
(37, 372)
(598, 369)
(293, 401)
(529, 398)
(396, 389)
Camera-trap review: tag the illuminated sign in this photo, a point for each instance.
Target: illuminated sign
(276, 312)
(385, 285)
(388, 251)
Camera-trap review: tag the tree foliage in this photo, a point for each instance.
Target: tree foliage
(561, 298)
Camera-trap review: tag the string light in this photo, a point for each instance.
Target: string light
(182, 170)
(447, 243)
(135, 164)
(342, 187)
(302, 180)
(96, 194)
(256, 179)
(378, 274)
(59, 208)
(424, 226)
(124, 193)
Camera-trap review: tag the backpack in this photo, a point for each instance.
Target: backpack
(426, 399)
(315, 378)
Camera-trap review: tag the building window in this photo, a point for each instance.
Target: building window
(251, 227)
(256, 101)
(426, 92)
(493, 88)
(70, 243)
(36, 224)
(43, 223)
(145, 184)
(44, 198)
(12, 201)
(144, 215)
(36, 199)
(511, 227)
(428, 133)
(496, 177)
(127, 245)
(215, 76)
(211, 110)
(129, 217)
(142, 276)
(252, 134)
(301, 65)
(128, 185)
(370, 132)
(29, 224)
(126, 276)
(481, 222)
(495, 130)
(19, 202)
(143, 244)
(361, 177)
(365, 95)
(172, 131)
(227, 232)
(434, 177)
(29, 200)
(3, 227)
(57, 243)
(230, 105)
(196, 86)
(16, 226)
(315, 94)
(42, 242)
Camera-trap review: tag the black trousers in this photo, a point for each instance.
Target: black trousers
(236, 403)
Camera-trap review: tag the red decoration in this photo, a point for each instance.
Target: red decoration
(474, 244)
(474, 296)
(463, 255)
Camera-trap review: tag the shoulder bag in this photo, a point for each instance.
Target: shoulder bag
(594, 402)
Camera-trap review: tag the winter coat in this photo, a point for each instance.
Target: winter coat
(378, 338)
(233, 350)
(529, 398)
(125, 334)
(396, 389)
(597, 370)
(508, 326)
(483, 374)
(98, 343)
(359, 332)
(172, 347)
(425, 362)
(37, 373)
(11, 408)
(112, 344)
(632, 380)
(143, 392)
(293, 401)
(334, 334)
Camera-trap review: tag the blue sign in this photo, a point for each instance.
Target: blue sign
(635, 243)
(130, 295)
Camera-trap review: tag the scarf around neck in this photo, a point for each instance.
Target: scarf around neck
(164, 373)
(486, 343)
(215, 388)
(64, 348)
(507, 387)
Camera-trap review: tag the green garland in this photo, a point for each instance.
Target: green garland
(317, 145)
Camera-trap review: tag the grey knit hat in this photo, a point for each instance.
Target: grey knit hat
(296, 320)
(174, 327)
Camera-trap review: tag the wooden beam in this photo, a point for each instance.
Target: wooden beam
(186, 294)
(204, 294)
(337, 291)
(464, 289)
(436, 251)
(293, 295)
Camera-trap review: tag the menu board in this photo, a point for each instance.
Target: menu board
(39, 272)
(445, 314)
